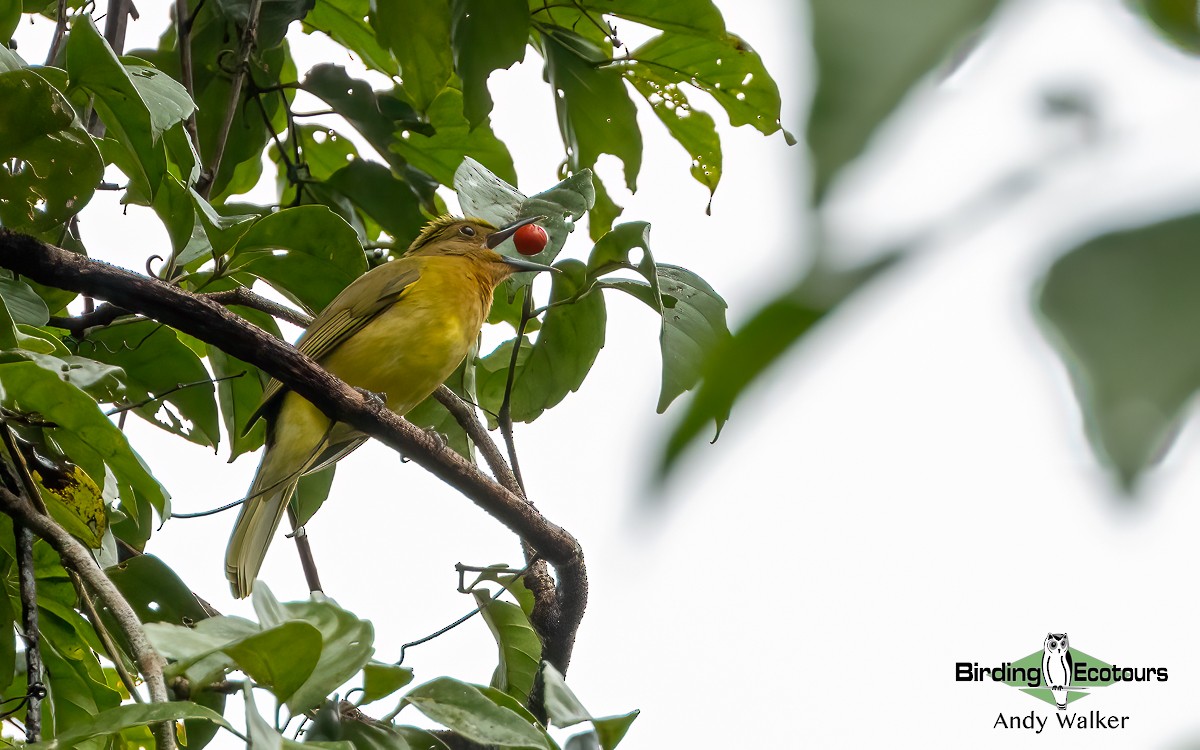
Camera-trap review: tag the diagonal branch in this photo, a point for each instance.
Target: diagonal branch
(209, 322)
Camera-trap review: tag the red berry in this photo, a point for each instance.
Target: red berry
(530, 239)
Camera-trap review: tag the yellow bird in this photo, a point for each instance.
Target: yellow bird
(398, 330)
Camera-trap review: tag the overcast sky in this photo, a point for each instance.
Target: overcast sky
(910, 488)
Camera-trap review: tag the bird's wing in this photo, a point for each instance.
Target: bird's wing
(372, 293)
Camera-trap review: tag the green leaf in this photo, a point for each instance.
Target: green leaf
(486, 35)
(155, 591)
(281, 658)
(110, 723)
(72, 497)
(691, 128)
(695, 17)
(595, 114)
(563, 708)
(520, 647)
(377, 736)
(344, 21)
(1120, 310)
(726, 68)
(868, 56)
(385, 198)
(197, 652)
(49, 167)
(463, 709)
(137, 104)
(440, 154)
(156, 365)
(381, 680)
(347, 649)
(611, 730)
(692, 327)
(239, 392)
(311, 493)
(273, 19)
(24, 304)
(418, 34)
(308, 254)
(10, 18)
(571, 336)
(83, 432)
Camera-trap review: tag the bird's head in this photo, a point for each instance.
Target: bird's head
(475, 240)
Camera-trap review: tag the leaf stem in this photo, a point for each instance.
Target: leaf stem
(183, 32)
(249, 35)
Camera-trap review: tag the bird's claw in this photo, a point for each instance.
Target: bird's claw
(440, 438)
(378, 398)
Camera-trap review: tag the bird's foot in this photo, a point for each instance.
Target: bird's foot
(437, 437)
(379, 398)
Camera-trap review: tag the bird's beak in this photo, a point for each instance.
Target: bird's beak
(495, 238)
(526, 265)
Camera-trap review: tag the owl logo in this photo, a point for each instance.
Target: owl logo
(1057, 667)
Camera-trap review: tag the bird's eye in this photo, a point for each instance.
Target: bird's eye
(468, 231)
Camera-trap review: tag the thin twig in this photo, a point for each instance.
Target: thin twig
(505, 415)
(60, 30)
(169, 391)
(304, 549)
(77, 557)
(36, 689)
(246, 298)
(110, 647)
(183, 33)
(249, 37)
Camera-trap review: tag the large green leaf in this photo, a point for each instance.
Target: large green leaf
(691, 128)
(463, 709)
(418, 34)
(595, 114)
(724, 67)
(23, 303)
(345, 22)
(110, 723)
(155, 591)
(519, 645)
(571, 336)
(869, 54)
(156, 365)
(308, 254)
(1121, 310)
(440, 154)
(274, 17)
(49, 167)
(382, 196)
(347, 647)
(281, 658)
(486, 35)
(10, 19)
(695, 17)
(88, 437)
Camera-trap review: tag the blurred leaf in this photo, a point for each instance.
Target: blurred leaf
(381, 680)
(378, 736)
(595, 114)
(110, 723)
(696, 17)
(10, 18)
(418, 34)
(1121, 309)
(308, 254)
(463, 709)
(83, 432)
(156, 364)
(737, 361)
(440, 153)
(344, 21)
(520, 647)
(725, 67)
(1177, 20)
(486, 35)
(868, 56)
(49, 167)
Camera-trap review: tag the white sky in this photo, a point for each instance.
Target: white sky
(910, 489)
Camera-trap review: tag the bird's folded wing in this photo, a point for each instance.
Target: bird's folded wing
(348, 313)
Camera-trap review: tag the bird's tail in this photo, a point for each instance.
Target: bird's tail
(265, 505)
